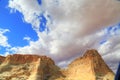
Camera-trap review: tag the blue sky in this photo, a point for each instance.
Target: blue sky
(55, 28)
(18, 28)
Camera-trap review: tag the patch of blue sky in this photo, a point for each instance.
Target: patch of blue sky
(43, 22)
(109, 28)
(113, 30)
(10, 51)
(103, 41)
(2, 50)
(118, 25)
(18, 28)
(39, 2)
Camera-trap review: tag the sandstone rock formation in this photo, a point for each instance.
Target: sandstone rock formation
(2, 59)
(90, 66)
(27, 67)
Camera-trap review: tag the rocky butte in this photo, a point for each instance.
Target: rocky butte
(90, 66)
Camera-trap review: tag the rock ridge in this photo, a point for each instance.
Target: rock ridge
(25, 58)
(90, 64)
(35, 67)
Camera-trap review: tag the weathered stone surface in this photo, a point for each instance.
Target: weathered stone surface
(27, 67)
(22, 59)
(90, 66)
(2, 59)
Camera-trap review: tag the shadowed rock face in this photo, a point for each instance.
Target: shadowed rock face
(2, 59)
(90, 66)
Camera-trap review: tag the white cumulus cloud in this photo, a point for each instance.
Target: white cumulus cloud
(75, 25)
(3, 38)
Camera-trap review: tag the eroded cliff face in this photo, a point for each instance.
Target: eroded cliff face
(2, 59)
(27, 67)
(90, 66)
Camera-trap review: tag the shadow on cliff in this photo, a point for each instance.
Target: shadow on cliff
(5, 68)
(56, 75)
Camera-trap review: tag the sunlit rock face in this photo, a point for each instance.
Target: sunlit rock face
(90, 66)
(27, 67)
